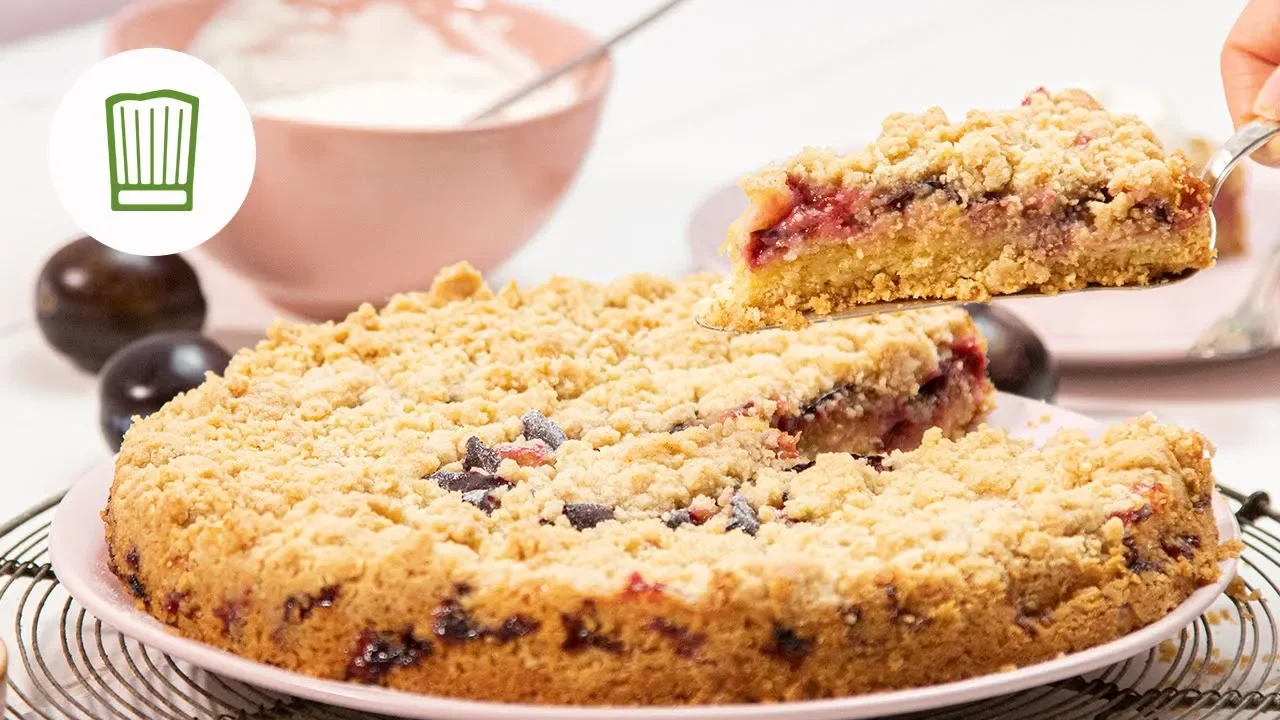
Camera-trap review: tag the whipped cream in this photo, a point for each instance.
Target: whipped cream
(379, 65)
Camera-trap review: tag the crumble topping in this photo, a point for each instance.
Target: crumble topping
(1063, 143)
(568, 405)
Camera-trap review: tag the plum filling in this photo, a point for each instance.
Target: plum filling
(786, 644)
(527, 454)
(138, 590)
(1181, 546)
(1029, 621)
(1136, 561)
(637, 587)
(134, 583)
(818, 211)
(584, 516)
(742, 516)
(695, 516)
(900, 615)
(582, 631)
(685, 641)
(1135, 515)
(299, 607)
(173, 602)
(454, 625)
(480, 456)
(377, 653)
(839, 421)
(232, 615)
(513, 628)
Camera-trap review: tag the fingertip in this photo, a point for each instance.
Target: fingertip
(1243, 76)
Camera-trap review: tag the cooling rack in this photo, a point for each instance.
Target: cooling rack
(65, 664)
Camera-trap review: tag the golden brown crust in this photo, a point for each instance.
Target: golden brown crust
(1056, 194)
(287, 511)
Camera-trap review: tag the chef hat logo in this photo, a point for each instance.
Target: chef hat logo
(151, 143)
(152, 152)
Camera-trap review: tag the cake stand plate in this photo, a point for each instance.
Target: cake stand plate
(79, 555)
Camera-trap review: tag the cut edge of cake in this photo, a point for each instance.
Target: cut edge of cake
(1054, 195)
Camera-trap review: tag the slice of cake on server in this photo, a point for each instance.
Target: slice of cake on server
(1056, 194)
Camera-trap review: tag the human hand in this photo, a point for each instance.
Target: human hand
(1250, 77)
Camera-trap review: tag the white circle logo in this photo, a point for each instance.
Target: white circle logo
(152, 152)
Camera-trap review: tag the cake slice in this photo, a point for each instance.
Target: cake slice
(1056, 194)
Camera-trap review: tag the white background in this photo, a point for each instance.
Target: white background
(716, 88)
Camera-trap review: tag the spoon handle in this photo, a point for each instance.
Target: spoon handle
(1237, 147)
(576, 61)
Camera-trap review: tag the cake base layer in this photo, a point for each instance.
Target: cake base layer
(893, 625)
(944, 264)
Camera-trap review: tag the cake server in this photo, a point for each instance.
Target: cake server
(1243, 328)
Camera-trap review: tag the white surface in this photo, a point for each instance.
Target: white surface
(1122, 327)
(375, 66)
(79, 554)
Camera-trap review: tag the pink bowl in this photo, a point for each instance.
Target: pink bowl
(337, 216)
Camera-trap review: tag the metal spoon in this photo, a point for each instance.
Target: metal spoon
(1239, 146)
(574, 63)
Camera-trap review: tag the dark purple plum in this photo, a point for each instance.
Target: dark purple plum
(92, 300)
(150, 372)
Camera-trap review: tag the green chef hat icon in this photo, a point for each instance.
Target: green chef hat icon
(151, 141)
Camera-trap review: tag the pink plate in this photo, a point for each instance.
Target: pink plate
(79, 555)
(1153, 326)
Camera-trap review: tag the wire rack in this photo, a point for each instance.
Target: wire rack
(64, 663)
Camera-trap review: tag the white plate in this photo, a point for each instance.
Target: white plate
(79, 555)
(1123, 327)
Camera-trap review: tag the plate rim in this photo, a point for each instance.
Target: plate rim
(73, 565)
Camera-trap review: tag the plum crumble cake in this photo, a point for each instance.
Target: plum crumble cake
(573, 494)
(1056, 194)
